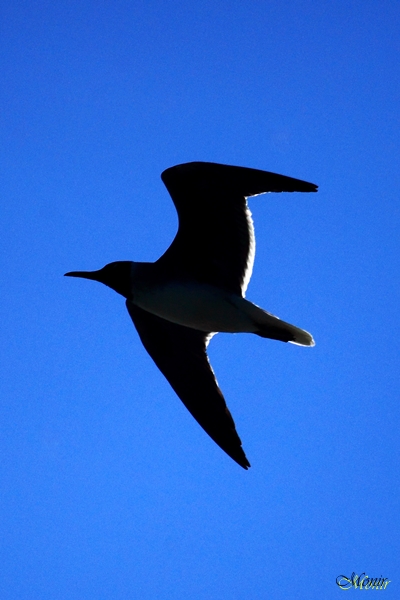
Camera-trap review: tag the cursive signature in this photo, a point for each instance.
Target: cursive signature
(363, 582)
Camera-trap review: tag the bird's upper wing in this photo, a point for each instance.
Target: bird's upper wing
(215, 240)
(180, 354)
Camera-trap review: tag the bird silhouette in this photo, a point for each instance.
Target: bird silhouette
(197, 287)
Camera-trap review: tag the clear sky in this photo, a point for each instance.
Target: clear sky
(109, 488)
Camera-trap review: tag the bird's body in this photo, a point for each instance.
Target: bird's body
(205, 307)
(197, 287)
(195, 305)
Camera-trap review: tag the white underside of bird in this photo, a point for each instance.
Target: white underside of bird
(210, 309)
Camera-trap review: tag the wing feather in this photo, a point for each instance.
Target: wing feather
(180, 354)
(215, 241)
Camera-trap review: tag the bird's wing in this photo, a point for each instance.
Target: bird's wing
(215, 240)
(180, 354)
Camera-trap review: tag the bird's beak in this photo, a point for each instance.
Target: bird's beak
(84, 274)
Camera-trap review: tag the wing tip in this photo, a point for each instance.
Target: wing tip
(250, 182)
(241, 459)
(302, 186)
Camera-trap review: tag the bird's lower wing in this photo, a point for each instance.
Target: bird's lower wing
(180, 354)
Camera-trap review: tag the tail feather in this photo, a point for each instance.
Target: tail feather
(269, 326)
(286, 332)
(265, 325)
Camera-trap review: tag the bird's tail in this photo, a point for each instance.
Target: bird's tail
(269, 326)
(285, 332)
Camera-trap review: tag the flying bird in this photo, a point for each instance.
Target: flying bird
(197, 287)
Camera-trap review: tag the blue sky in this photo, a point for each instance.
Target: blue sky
(110, 490)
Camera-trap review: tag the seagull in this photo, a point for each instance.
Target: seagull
(197, 287)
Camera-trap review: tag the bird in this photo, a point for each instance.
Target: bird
(197, 287)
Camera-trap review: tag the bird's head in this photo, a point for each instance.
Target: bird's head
(116, 275)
